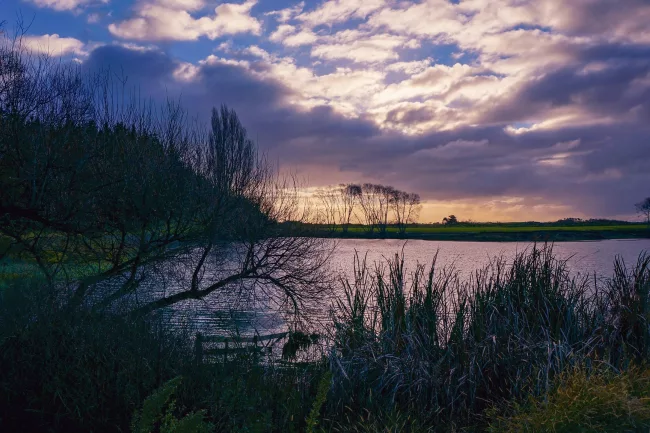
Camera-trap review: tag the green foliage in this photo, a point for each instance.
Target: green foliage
(321, 396)
(157, 414)
(145, 420)
(248, 397)
(597, 401)
(411, 352)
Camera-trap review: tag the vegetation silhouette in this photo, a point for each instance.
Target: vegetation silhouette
(97, 179)
(374, 206)
(643, 208)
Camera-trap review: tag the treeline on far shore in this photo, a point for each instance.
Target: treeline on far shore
(569, 229)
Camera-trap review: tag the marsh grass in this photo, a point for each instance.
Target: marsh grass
(444, 350)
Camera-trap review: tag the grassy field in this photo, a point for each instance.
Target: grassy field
(505, 228)
(500, 232)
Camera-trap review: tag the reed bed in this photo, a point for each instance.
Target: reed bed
(444, 350)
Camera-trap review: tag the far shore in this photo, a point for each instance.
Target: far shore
(495, 233)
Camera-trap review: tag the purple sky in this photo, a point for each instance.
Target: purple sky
(490, 109)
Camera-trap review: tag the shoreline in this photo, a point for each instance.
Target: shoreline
(511, 236)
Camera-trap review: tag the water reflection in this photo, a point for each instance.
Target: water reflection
(243, 309)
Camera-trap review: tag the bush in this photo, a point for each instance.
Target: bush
(81, 372)
(597, 402)
(418, 352)
(157, 414)
(87, 372)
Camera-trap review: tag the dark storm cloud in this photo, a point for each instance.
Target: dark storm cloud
(601, 175)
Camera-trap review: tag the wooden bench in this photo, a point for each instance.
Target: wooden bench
(254, 345)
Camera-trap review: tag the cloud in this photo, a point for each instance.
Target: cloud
(53, 45)
(66, 5)
(434, 18)
(171, 20)
(518, 108)
(617, 91)
(623, 21)
(284, 15)
(359, 47)
(291, 36)
(336, 11)
(594, 170)
(93, 18)
(454, 149)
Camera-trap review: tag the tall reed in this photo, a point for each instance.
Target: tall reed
(445, 349)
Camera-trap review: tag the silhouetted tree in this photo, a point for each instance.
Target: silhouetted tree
(337, 205)
(450, 220)
(643, 208)
(350, 194)
(385, 196)
(330, 207)
(380, 206)
(369, 203)
(406, 207)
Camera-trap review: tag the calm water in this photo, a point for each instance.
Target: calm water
(219, 316)
(583, 257)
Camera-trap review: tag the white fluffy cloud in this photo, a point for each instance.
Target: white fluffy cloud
(53, 45)
(534, 90)
(336, 11)
(64, 5)
(170, 20)
(291, 36)
(359, 47)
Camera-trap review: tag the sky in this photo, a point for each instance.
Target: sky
(494, 110)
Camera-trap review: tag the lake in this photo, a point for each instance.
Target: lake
(583, 257)
(593, 258)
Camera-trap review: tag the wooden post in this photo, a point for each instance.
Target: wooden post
(198, 348)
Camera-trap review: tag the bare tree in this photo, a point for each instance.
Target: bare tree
(370, 205)
(385, 195)
(350, 194)
(643, 208)
(330, 205)
(406, 207)
(382, 205)
(338, 205)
